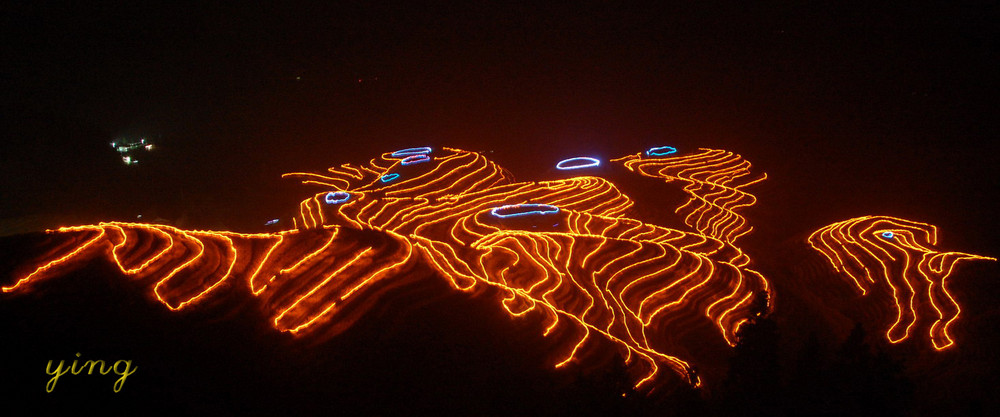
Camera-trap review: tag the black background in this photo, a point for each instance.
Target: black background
(851, 109)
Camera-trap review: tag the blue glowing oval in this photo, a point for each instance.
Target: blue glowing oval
(411, 151)
(272, 222)
(578, 162)
(518, 210)
(336, 197)
(389, 177)
(888, 235)
(415, 159)
(661, 151)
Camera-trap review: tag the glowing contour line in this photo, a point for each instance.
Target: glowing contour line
(629, 275)
(905, 261)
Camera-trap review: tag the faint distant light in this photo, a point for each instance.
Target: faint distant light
(411, 151)
(661, 151)
(888, 235)
(415, 159)
(578, 163)
(127, 147)
(518, 210)
(336, 197)
(271, 222)
(389, 177)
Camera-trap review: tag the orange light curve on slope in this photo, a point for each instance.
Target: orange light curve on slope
(589, 270)
(876, 251)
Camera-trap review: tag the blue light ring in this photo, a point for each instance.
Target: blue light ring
(590, 162)
(534, 209)
(661, 151)
(423, 150)
(414, 159)
(387, 178)
(336, 197)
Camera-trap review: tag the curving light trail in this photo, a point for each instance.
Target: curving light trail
(881, 251)
(714, 179)
(563, 251)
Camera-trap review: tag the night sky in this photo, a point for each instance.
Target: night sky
(851, 109)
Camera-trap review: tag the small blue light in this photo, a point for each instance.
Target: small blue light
(578, 162)
(411, 151)
(517, 210)
(661, 151)
(271, 222)
(415, 159)
(888, 235)
(389, 177)
(336, 197)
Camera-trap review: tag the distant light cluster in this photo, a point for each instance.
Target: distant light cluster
(127, 148)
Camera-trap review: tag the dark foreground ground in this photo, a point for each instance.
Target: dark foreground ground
(429, 349)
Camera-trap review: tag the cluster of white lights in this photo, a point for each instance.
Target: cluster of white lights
(125, 148)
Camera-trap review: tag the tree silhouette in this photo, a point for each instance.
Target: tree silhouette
(865, 380)
(753, 383)
(809, 385)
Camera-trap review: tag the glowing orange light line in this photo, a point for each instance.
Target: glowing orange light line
(321, 284)
(558, 266)
(892, 244)
(62, 259)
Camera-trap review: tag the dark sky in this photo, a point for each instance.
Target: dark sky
(887, 108)
(851, 108)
